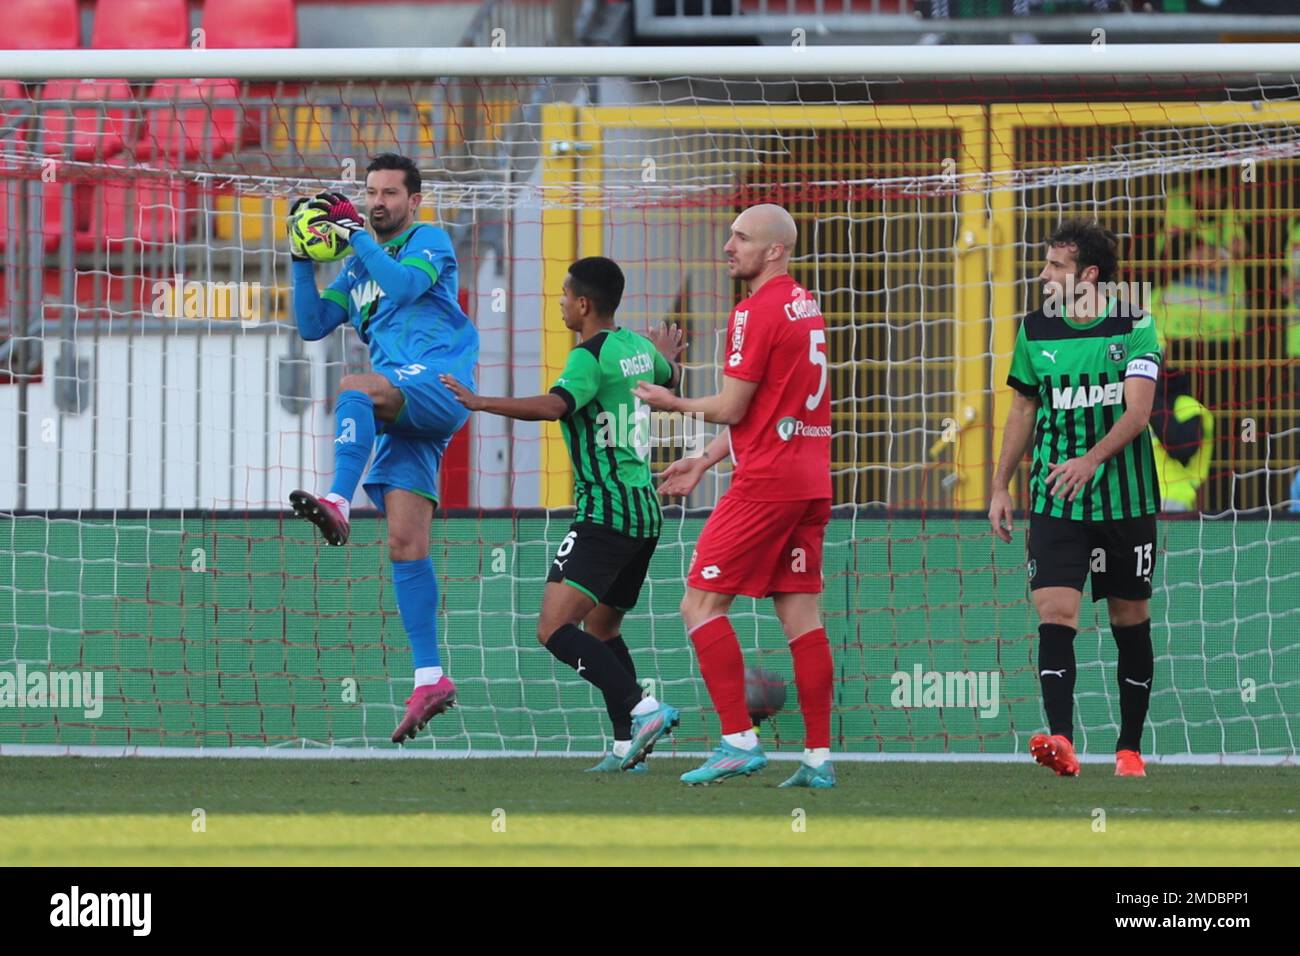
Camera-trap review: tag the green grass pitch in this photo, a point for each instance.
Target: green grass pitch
(83, 811)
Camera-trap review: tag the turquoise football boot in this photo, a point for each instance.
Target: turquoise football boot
(727, 761)
(611, 764)
(818, 778)
(647, 730)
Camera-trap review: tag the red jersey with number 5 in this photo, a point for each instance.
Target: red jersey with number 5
(782, 447)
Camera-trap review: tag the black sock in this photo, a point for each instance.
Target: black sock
(596, 663)
(618, 714)
(1137, 665)
(1056, 676)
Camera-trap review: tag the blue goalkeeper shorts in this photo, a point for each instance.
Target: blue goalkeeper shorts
(408, 452)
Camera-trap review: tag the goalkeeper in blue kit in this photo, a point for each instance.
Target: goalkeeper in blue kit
(398, 291)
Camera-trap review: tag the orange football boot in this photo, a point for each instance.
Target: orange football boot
(1055, 752)
(1129, 763)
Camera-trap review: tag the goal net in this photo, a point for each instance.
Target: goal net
(157, 404)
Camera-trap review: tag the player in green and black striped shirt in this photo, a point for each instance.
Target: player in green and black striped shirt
(602, 562)
(1084, 372)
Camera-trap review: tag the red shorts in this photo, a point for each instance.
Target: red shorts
(761, 548)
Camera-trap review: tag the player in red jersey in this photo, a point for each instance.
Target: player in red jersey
(764, 538)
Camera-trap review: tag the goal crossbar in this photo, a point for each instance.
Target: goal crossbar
(1086, 58)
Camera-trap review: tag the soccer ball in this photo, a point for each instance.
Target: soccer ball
(764, 693)
(317, 242)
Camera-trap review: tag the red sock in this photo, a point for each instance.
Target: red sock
(723, 670)
(814, 673)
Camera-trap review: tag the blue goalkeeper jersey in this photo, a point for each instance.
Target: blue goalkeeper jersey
(409, 325)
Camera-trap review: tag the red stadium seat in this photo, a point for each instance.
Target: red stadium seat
(141, 25)
(150, 212)
(145, 211)
(182, 123)
(230, 24)
(93, 135)
(40, 24)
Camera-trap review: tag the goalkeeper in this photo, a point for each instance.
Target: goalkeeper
(399, 292)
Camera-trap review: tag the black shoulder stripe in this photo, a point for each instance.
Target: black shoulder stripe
(595, 343)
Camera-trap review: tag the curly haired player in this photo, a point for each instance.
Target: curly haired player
(1084, 371)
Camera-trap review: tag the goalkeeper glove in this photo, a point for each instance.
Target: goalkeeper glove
(343, 217)
(295, 250)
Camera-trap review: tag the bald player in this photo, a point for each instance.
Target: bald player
(764, 538)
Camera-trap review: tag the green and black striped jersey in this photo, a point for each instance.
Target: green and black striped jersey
(1076, 373)
(607, 430)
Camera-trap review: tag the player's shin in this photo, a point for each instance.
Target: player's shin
(814, 672)
(1056, 674)
(1135, 672)
(354, 438)
(723, 668)
(597, 664)
(619, 715)
(416, 587)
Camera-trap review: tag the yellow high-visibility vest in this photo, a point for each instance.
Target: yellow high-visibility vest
(1179, 483)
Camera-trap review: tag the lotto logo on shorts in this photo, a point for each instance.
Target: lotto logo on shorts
(711, 572)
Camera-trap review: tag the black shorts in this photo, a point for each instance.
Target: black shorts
(1120, 555)
(608, 566)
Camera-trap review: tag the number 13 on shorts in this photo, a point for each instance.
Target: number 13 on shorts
(1144, 559)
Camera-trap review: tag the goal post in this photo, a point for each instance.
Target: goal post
(157, 423)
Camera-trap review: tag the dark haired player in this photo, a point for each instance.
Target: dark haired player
(1084, 372)
(599, 568)
(399, 292)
